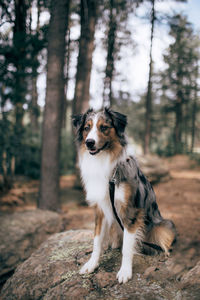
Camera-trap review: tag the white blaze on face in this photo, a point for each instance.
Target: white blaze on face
(93, 134)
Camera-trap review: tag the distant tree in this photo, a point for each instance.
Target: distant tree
(67, 69)
(19, 60)
(88, 14)
(111, 50)
(49, 182)
(178, 80)
(155, 17)
(148, 103)
(13, 85)
(117, 35)
(195, 106)
(37, 46)
(19, 49)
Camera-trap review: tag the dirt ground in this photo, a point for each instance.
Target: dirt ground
(178, 199)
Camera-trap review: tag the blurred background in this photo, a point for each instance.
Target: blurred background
(58, 58)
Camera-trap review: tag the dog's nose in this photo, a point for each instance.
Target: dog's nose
(90, 143)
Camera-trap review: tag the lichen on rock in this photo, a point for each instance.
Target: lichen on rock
(52, 272)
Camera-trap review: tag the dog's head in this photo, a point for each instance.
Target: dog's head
(98, 131)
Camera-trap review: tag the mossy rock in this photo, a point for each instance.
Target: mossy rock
(52, 272)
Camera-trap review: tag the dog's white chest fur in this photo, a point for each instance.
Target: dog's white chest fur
(96, 172)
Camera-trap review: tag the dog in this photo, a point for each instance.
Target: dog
(134, 216)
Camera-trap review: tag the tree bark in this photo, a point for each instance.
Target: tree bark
(49, 182)
(178, 124)
(19, 39)
(107, 91)
(86, 47)
(194, 110)
(68, 57)
(35, 111)
(147, 137)
(34, 105)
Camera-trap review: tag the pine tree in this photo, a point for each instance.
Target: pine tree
(178, 78)
(148, 103)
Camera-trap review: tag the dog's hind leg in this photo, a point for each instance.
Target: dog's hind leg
(163, 235)
(100, 230)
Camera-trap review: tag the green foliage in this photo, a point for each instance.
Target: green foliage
(166, 147)
(68, 153)
(196, 157)
(30, 157)
(135, 112)
(178, 83)
(28, 161)
(19, 49)
(7, 145)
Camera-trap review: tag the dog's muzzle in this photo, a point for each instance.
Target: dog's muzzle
(90, 144)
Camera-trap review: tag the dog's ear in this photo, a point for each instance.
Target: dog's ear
(119, 120)
(77, 120)
(78, 123)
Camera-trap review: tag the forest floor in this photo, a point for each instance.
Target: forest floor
(178, 199)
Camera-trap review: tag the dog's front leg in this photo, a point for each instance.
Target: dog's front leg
(128, 250)
(100, 229)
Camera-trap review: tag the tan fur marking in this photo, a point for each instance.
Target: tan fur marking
(116, 148)
(132, 218)
(110, 136)
(138, 222)
(85, 133)
(127, 196)
(162, 236)
(115, 236)
(98, 220)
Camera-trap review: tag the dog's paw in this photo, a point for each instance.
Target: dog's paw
(89, 267)
(124, 274)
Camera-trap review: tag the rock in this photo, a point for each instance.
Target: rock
(190, 281)
(149, 271)
(21, 233)
(192, 277)
(52, 272)
(153, 168)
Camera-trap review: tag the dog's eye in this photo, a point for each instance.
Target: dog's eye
(103, 128)
(87, 128)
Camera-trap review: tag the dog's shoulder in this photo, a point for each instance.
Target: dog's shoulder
(143, 195)
(127, 170)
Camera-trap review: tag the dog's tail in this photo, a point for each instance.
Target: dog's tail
(160, 237)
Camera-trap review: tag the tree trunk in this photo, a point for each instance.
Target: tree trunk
(147, 137)
(19, 39)
(86, 47)
(35, 111)
(194, 110)
(186, 126)
(34, 105)
(107, 91)
(178, 124)
(49, 182)
(68, 56)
